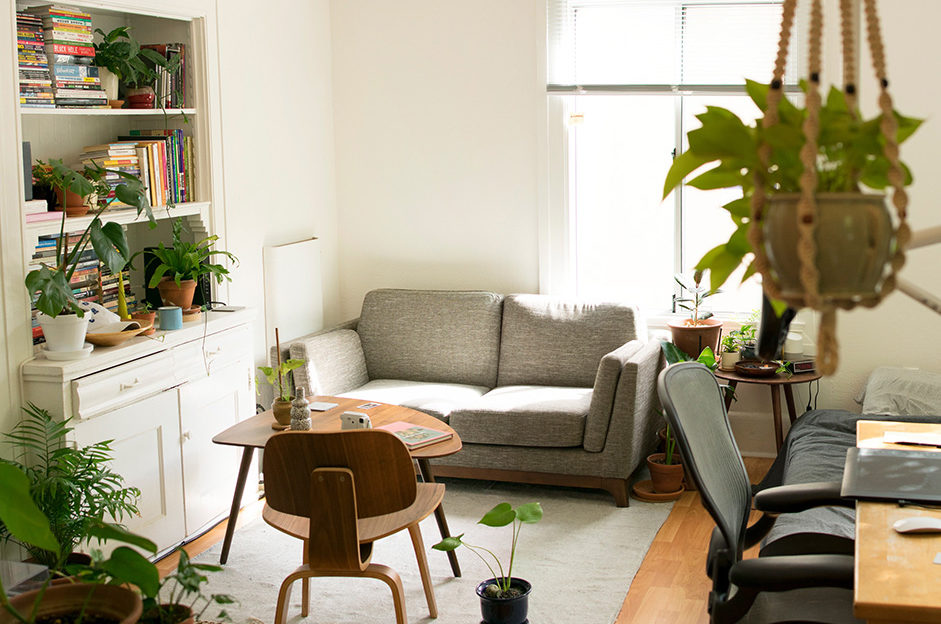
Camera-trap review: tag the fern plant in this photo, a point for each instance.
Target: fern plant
(187, 261)
(74, 487)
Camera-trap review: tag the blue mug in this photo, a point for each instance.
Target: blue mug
(171, 317)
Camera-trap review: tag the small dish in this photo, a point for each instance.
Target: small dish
(61, 356)
(112, 339)
(755, 368)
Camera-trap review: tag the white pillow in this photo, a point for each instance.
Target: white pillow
(902, 392)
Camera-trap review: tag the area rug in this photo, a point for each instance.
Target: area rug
(581, 559)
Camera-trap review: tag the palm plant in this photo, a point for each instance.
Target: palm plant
(74, 487)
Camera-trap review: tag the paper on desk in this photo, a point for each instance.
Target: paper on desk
(909, 437)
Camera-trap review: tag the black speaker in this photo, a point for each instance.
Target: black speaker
(27, 171)
(203, 293)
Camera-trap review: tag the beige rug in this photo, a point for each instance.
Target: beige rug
(581, 560)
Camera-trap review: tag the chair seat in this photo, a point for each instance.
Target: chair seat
(427, 499)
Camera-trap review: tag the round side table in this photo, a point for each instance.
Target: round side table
(775, 383)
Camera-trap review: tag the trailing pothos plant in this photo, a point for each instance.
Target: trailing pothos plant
(849, 156)
(108, 240)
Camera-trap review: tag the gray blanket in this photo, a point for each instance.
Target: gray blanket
(815, 450)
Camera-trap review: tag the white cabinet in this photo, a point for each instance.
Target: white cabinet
(161, 400)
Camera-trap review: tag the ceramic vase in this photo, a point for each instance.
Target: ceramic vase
(141, 97)
(300, 412)
(282, 413)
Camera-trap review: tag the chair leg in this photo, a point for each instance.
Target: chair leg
(305, 584)
(284, 599)
(391, 578)
(415, 532)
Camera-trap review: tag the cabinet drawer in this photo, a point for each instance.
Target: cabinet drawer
(226, 347)
(118, 386)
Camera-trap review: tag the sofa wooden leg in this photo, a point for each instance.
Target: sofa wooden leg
(620, 489)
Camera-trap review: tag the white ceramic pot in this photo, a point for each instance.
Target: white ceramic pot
(65, 332)
(727, 360)
(109, 82)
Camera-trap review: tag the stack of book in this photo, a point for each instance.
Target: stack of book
(171, 86)
(35, 85)
(37, 210)
(85, 279)
(118, 156)
(179, 164)
(109, 285)
(70, 55)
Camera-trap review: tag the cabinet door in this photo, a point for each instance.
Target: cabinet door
(146, 451)
(208, 406)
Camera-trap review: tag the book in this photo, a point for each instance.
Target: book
(35, 206)
(416, 436)
(40, 217)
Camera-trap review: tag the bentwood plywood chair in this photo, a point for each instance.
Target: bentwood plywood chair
(339, 492)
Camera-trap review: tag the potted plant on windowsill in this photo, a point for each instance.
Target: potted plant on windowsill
(63, 321)
(182, 264)
(122, 55)
(700, 330)
(504, 599)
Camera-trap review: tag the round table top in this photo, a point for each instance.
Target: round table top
(778, 379)
(256, 431)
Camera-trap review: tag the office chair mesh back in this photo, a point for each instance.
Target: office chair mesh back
(695, 410)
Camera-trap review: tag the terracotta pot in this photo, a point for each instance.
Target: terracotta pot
(74, 205)
(178, 614)
(146, 318)
(853, 234)
(666, 479)
(692, 339)
(140, 97)
(282, 411)
(505, 610)
(173, 295)
(116, 602)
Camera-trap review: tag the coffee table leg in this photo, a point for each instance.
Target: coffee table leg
(247, 453)
(789, 397)
(776, 410)
(428, 477)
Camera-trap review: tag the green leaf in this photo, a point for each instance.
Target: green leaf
(718, 177)
(449, 543)
(672, 354)
(110, 244)
(758, 92)
(722, 135)
(529, 513)
(682, 166)
(740, 208)
(707, 357)
(500, 515)
(127, 565)
(19, 513)
(907, 126)
(749, 271)
(778, 306)
(107, 531)
(55, 292)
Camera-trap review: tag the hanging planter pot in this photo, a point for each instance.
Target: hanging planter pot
(853, 238)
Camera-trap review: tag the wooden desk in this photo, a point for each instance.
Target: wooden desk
(774, 383)
(896, 579)
(254, 433)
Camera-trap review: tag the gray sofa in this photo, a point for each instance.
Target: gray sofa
(540, 389)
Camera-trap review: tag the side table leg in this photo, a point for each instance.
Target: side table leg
(247, 453)
(730, 395)
(428, 477)
(776, 410)
(789, 397)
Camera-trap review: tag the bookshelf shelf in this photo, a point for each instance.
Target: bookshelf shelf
(123, 217)
(104, 112)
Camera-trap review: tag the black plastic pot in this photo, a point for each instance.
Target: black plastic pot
(507, 610)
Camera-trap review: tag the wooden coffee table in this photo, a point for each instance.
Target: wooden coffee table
(254, 433)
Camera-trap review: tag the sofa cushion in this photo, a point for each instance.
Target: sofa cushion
(525, 416)
(437, 399)
(557, 342)
(333, 362)
(429, 335)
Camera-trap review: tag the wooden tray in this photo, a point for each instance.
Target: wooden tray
(112, 339)
(643, 490)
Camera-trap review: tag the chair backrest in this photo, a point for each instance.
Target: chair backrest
(695, 410)
(379, 462)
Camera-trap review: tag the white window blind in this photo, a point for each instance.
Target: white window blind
(665, 42)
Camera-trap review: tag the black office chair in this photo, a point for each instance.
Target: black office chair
(787, 588)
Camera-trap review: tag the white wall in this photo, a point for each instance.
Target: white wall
(277, 127)
(438, 106)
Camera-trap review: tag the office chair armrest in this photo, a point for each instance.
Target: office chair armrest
(800, 497)
(787, 572)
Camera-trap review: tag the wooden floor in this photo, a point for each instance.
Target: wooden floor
(671, 586)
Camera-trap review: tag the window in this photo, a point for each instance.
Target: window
(626, 80)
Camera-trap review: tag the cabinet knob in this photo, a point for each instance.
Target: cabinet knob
(187, 435)
(214, 352)
(128, 386)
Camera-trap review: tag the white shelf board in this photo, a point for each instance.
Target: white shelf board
(108, 112)
(75, 224)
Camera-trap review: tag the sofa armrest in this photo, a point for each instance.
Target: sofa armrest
(334, 361)
(603, 393)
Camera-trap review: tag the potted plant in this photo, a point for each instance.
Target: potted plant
(145, 314)
(68, 602)
(504, 599)
(700, 330)
(50, 183)
(282, 400)
(122, 55)
(666, 470)
(182, 264)
(736, 342)
(73, 486)
(62, 319)
(185, 602)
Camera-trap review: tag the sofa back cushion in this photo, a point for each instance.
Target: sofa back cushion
(432, 335)
(552, 341)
